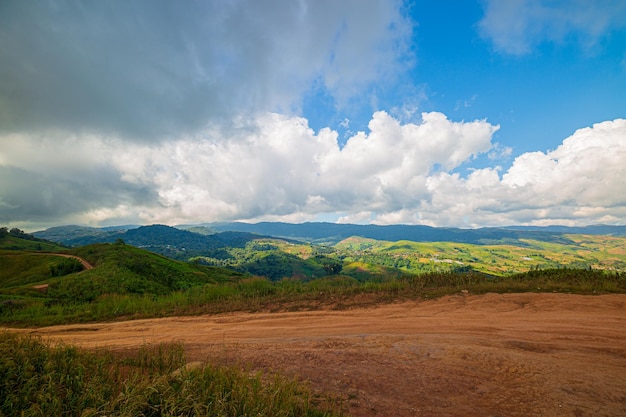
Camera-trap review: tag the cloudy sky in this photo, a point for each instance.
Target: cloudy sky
(444, 113)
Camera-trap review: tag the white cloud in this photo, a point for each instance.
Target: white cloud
(517, 26)
(588, 168)
(500, 152)
(283, 167)
(279, 168)
(283, 170)
(580, 182)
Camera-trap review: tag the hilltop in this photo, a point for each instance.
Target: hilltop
(313, 250)
(54, 285)
(234, 270)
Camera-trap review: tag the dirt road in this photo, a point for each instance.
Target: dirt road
(488, 355)
(83, 262)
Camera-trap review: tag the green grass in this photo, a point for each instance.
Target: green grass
(10, 242)
(42, 379)
(22, 268)
(585, 251)
(129, 283)
(125, 282)
(338, 292)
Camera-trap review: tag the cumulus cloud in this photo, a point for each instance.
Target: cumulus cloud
(284, 167)
(143, 70)
(279, 168)
(517, 26)
(283, 170)
(580, 182)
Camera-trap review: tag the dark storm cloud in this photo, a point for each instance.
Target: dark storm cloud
(110, 66)
(33, 196)
(150, 69)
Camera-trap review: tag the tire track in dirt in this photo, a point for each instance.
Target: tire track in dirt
(487, 355)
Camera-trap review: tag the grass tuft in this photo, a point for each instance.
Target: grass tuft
(41, 379)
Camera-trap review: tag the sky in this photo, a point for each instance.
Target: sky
(442, 113)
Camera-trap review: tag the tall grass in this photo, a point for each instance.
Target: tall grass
(41, 379)
(253, 294)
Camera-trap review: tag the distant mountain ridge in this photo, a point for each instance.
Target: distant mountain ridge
(213, 236)
(170, 241)
(333, 232)
(598, 229)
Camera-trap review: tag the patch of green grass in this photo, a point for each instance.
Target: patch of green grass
(256, 293)
(129, 283)
(503, 259)
(10, 242)
(41, 379)
(19, 271)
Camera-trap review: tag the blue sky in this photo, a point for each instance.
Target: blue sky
(538, 97)
(448, 113)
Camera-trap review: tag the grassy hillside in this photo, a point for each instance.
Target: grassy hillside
(127, 282)
(584, 251)
(124, 269)
(366, 259)
(18, 268)
(15, 239)
(40, 288)
(26, 261)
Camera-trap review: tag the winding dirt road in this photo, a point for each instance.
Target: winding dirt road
(488, 355)
(83, 262)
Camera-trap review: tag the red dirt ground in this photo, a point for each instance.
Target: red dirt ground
(464, 355)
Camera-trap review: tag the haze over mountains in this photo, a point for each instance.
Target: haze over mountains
(217, 235)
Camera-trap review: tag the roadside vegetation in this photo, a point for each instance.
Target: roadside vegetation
(42, 379)
(261, 294)
(40, 288)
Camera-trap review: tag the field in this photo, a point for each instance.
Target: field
(460, 355)
(582, 251)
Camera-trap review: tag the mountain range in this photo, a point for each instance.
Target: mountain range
(332, 233)
(214, 236)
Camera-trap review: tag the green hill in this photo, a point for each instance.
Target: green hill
(581, 252)
(39, 288)
(16, 239)
(124, 269)
(124, 282)
(26, 260)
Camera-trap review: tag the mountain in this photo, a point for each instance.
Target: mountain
(598, 229)
(169, 241)
(214, 236)
(73, 235)
(210, 239)
(332, 233)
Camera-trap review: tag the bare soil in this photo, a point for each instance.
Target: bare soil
(85, 264)
(463, 355)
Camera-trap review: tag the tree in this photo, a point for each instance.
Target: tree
(16, 232)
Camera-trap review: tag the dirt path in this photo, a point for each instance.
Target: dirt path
(83, 262)
(489, 355)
